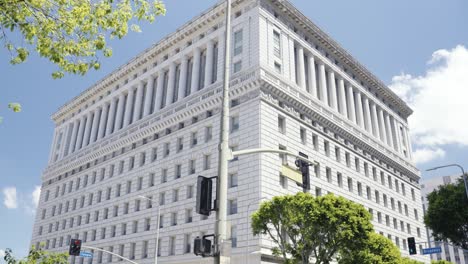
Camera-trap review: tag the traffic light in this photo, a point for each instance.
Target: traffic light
(303, 166)
(204, 192)
(412, 246)
(75, 247)
(202, 247)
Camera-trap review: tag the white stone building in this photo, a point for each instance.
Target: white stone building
(152, 126)
(450, 253)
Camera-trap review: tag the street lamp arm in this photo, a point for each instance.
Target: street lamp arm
(267, 150)
(449, 165)
(108, 252)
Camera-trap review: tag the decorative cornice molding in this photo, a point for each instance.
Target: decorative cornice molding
(300, 19)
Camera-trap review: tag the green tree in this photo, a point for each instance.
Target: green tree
(70, 33)
(407, 260)
(441, 262)
(376, 250)
(15, 107)
(447, 214)
(303, 226)
(37, 256)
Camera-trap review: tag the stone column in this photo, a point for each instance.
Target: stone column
(159, 91)
(292, 59)
(351, 105)
(183, 78)
(396, 134)
(383, 135)
(323, 83)
(171, 84)
(359, 111)
(367, 115)
(129, 108)
(312, 79)
(120, 111)
(209, 63)
(301, 78)
(79, 136)
(87, 131)
(342, 97)
(376, 130)
(389, 130)
(111, 117)
(64, 148)
(103, 121)
(138, 101)
(408, 143)
(149, 96)
(95, 125)
(195, 71)
(332, 88)
(76, 125)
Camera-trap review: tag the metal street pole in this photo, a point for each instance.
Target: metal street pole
(108, 252)
(157, 229)
(222, 243)
(465, 180)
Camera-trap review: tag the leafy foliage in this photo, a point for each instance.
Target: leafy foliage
(441, 262)
(37, 256)
(303, 226)
(377, 250)
(407, 260)
(15, 107)
(71, 33)
(447, 214)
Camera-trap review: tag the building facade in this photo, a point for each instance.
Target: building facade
(152, 126)
(450, 253)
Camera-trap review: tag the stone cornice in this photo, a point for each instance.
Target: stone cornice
(307, 25)
(305, 103)
(142, 58)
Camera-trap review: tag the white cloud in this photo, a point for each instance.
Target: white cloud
(36, 194)
(439, 98)
(424, 155)
(9, 198)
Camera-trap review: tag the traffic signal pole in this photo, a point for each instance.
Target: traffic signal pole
(108, 252)
(222, 244)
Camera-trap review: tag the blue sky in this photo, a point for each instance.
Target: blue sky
(418, 47)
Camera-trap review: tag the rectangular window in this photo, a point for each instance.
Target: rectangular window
(194, 139)
(281, 125)
(328, 173)
(303, 135)
(237, 66)
(277, 44)
(234, 123)
(173, 219)
(232, 206)
(350, 184)
(232, 180)
(154, 154)
(163, 175)
(208, 133)
(192, 167)
(167, 149)
(187, 245)
(188, 216)
(172, 245)
(337, 154)
(189, 191)
(315, 142)
(175, 195)
(339, 179)
(207, 162)
(238, 38)
(326, 146)
(162, 198)
(151, 180)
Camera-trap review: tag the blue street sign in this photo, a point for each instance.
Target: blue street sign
(85, 254)
(434, 250)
